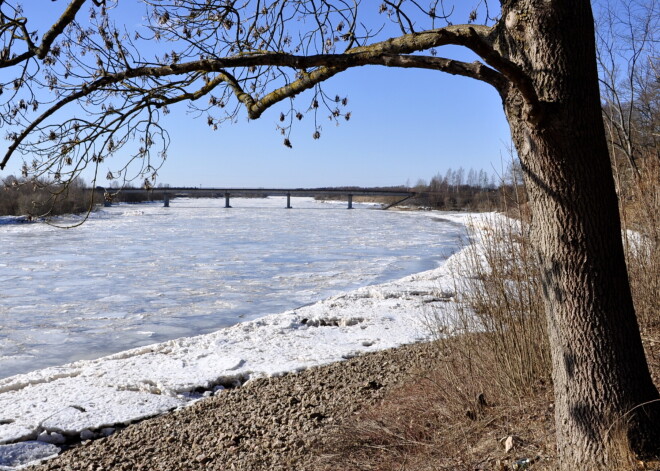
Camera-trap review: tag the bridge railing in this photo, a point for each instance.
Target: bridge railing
(229, 193)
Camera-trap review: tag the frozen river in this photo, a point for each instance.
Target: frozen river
(134, 275)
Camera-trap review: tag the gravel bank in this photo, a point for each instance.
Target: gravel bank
(267, 424)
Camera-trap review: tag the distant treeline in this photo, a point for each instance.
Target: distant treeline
(20, 197)
(456, 190)
(119, 195)
(470, 190)
(42, 198)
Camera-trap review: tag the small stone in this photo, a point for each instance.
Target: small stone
(511, 442)
(317, 416)
(371, 385)
(522, 464)
(53, 438)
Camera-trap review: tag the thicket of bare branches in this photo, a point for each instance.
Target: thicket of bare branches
(628, 38)
(30, 199)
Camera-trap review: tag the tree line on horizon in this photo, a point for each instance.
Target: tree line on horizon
(455, 190)
(471, 190)
(42, 198)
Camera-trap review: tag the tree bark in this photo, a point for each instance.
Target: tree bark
(601, 377)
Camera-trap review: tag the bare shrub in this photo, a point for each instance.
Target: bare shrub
(491, 380)
(499, 293)
(640, 209)
(40, 198)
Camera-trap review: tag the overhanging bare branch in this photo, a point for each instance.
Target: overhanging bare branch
(67, 17)
(248, 56)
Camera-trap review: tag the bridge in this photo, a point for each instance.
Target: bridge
(228, 193)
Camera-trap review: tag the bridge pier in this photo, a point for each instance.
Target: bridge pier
(350, 201)
(166, 200)
(288, 201)
(227, 205)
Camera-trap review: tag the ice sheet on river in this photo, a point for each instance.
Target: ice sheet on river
(86, 397)
(149, 380)
(135, 275)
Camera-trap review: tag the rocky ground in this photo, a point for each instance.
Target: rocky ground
(286, 423)
(267, 424)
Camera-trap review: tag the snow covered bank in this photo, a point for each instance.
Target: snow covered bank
(87, 398)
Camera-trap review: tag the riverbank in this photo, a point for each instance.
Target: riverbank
(60, 406)
(329, 417)
(294, 421)
(268, 424)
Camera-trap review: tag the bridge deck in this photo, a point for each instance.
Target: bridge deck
(273, 191)
(288, 192)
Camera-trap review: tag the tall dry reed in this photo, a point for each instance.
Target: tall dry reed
(639, 197)
(498, 294)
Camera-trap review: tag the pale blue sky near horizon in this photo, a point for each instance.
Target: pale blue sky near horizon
(405, 125)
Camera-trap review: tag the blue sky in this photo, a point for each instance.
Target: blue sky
(405, 125)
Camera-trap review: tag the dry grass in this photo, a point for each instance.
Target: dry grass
(640, 214)
(491, 383)
(494, 384)
(447, 418)
(499, 291)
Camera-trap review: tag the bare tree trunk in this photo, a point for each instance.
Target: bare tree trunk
(599, 369)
